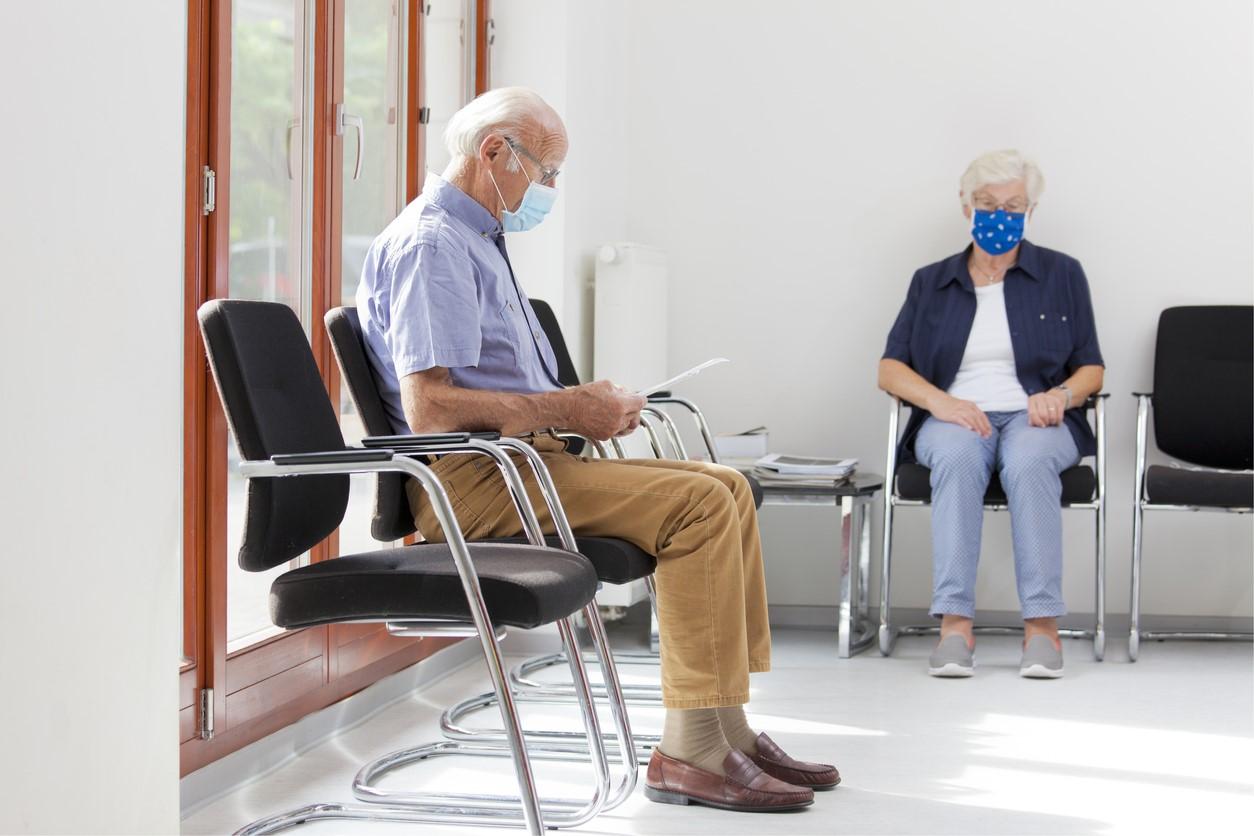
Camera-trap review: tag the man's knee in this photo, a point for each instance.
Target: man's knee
(712, 491)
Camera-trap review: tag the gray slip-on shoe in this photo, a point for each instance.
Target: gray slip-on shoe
(1041, 659)
(951, 658)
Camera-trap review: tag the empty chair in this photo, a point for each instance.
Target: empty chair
(1203, 409)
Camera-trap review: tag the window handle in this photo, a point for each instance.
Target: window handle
(292, 126)
(345, 120)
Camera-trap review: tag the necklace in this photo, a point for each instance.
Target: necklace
(991, 278)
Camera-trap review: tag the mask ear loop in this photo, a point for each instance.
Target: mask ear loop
(521, 167)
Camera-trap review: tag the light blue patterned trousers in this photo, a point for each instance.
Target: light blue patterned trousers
(1028, 459)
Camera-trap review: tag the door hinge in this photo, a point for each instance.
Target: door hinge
(206, 713)
(209, 191)
(424, 115)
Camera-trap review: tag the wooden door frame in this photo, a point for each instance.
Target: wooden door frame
(342, 659)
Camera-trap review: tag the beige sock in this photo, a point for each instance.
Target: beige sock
(736, 729)
(695, 736)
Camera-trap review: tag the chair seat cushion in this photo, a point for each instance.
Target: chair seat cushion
(524, 586)
(615, 561)
(1207, 488)
(914, 482)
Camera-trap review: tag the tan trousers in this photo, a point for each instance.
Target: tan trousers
(699, 521)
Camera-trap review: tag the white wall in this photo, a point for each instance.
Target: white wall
(91, 224)
(798, 160)
(575, 55)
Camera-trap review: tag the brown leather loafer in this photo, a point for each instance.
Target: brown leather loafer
(775, 762)
(745, 788)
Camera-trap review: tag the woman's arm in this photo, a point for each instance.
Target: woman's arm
(896, 378)
(1046, 409)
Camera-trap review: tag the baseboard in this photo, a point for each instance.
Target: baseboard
(226, 774)
(825, 618)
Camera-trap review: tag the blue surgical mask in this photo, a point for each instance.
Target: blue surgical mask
(534, 206)
(997, 232)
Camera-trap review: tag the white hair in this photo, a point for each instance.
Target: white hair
(509, 111)
(1006, 166)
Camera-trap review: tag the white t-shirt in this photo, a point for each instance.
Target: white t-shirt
(987, 374)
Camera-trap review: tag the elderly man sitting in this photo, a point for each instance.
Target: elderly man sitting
(455, 345)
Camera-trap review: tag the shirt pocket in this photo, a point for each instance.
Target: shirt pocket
(1054, 328)
(500, 341)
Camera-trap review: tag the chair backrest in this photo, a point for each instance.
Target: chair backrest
(275, 403)
(1203, 398)
(566, 374)
(392, 517)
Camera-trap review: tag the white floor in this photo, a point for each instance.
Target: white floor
(1165, 745)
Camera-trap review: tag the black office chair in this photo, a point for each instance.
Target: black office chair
(296, 463)
(1083, 488)
(1203, 409)
(615, 561)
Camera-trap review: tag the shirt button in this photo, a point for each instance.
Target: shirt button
(1064, 319)
(537, 334)
(1042, 316)
(510, 305)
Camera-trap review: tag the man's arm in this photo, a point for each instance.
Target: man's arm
(598, 410)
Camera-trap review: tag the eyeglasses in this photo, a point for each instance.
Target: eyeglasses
(987, 204)
(547, 173)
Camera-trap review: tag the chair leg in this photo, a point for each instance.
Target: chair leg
(1099, 597)
(574, 742)
(645, 694)
(557, 812)
(887, 633)
(1134, 610)
(526, 809)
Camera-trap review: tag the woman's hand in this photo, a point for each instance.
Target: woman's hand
(1045, 409)
(964, 413)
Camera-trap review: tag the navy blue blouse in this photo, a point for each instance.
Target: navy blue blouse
(1051, 329)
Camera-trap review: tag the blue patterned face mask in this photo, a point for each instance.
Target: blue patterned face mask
(997, 232)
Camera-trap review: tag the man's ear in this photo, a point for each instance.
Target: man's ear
(490, 148)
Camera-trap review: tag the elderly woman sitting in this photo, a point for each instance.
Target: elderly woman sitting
(996, 349)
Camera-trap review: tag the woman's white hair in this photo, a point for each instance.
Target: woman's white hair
(509, 111)
(997, 167)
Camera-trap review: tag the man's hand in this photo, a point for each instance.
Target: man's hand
(964, 413)
(1045, 409)
(602, 410)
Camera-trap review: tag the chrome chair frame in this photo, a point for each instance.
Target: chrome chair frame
(698, 417)
(520, 674)
(557, 745)
(888, 632)
(527, 809)
(1140, 505)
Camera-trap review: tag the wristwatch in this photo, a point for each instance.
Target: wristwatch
(1066, 389)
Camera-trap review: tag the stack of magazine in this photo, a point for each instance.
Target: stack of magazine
(780, 470)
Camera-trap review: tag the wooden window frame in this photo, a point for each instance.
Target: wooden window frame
(268, 685)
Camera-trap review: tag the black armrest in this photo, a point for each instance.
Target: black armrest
(399, 441)
(1142, 394)
(348, 456)
(663, 394)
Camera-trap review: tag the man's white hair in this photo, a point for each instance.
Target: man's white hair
(509, 111)
(997, 167)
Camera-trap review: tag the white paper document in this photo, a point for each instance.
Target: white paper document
(695, 370)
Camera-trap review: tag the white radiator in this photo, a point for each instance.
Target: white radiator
(629, 325)
(629, 344)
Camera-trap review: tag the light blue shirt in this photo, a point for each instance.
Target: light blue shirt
(437, 290)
